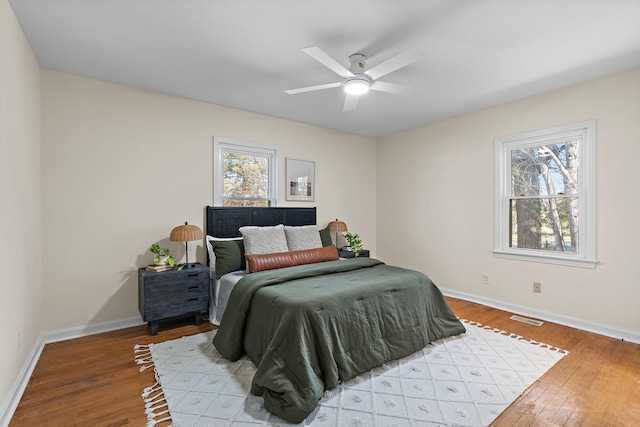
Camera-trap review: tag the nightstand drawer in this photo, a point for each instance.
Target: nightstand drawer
(177, 306)
(173, 277)
(169, 289)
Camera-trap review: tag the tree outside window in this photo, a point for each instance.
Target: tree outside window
(244, 173)
(245, 179)
(544, 202)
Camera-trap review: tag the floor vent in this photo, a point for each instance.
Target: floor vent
(527, 321)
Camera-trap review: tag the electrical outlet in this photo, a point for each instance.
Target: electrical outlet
(537, 287)
(485, 279)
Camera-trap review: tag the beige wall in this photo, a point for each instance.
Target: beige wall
(20, 207)
(441, 178)
(124, 166)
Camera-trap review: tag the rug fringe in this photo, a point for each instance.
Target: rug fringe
(153, 399)
(147, 391)
(514, 336)
(153, 396)
(142, 356)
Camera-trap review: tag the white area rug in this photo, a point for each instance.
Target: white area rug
(467, 380)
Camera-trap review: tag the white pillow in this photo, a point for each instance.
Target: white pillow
(264, 240)
(303, 237)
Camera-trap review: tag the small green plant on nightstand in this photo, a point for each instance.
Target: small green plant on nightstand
(162, 255)
(355, 242)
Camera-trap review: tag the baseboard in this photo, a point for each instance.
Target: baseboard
(585, 325)
(15, 394)
(92, 329)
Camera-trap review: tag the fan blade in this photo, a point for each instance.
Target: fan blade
(396, 89)
(327, 61)
(390, 65)
(350, 102)
(312, 88)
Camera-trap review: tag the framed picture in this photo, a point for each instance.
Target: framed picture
(301, 180)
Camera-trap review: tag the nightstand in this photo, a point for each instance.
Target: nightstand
(349, 254)
(173, 293)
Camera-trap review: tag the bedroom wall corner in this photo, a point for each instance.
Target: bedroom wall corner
(20, 210)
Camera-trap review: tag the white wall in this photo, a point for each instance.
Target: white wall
(441, 178)
(20, 193)
(123, 166)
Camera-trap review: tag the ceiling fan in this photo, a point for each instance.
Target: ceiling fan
(358, 80)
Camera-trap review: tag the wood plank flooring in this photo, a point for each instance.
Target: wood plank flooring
(93, 381)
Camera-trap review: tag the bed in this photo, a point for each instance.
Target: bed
(309, 326)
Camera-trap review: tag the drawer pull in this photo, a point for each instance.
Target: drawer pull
(192, 299)
(193, 287)
(193, 274)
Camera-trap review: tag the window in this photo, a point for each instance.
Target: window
(545, 195)
(244, 173)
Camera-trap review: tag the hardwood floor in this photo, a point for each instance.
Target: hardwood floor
(597, 384)
(93, 381)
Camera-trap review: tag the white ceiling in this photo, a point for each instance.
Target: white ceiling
(245, 53)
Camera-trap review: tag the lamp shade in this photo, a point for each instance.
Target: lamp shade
(185, 233)
(337, 226)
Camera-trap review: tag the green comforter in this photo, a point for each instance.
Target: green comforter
(309, 327)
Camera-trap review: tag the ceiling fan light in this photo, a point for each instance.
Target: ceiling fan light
(356, 86)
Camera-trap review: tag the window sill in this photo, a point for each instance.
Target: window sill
(566, 260)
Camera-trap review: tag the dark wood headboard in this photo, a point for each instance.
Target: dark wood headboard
(225, 221)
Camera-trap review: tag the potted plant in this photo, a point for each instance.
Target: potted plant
(162, 255)
(354, 242)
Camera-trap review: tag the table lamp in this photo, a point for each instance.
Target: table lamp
(186, 233)
(337, 227)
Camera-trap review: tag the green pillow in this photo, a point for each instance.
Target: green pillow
(229, 256)
(325, 237)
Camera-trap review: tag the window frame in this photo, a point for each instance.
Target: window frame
(222, 144)
(586, 255)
